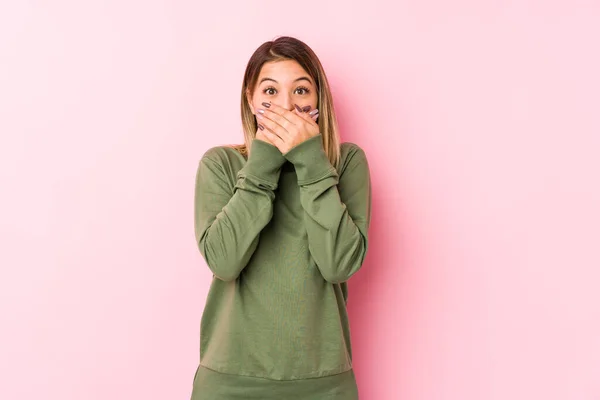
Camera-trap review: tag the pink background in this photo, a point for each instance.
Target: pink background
(480, 121)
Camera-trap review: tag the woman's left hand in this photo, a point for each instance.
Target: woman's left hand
(287, 129)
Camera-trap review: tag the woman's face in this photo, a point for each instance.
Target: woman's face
(284, 83)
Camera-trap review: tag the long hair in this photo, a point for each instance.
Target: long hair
(289, 48)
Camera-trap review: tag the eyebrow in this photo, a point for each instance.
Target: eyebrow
(302, 78)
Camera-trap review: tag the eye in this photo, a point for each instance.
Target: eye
(302, 90)
(270, 91)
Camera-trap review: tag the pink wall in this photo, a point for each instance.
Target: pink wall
(481, 125)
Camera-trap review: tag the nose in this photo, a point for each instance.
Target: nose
(286, 102)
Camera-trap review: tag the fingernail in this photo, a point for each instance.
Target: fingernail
(313, 112)
(262, 128)
(298, 108)
(306, 109)
(266, 104)
(315, 116)
(260, 110)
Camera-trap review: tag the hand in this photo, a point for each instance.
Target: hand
(260, 135)
(287, 129)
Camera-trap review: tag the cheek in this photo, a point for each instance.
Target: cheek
(255, 105)
(258, 99)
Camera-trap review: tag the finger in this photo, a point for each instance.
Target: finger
(284, 123)
(270, 137)
(310, 117)
(281, 115)
(260, 134)
(273, 126)
(302, 113)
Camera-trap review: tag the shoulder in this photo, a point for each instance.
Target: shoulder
(350, 149)
(222, 155)
(223, 161)
(351, 154)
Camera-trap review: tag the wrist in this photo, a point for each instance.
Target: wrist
(310, 160)
(264, 161)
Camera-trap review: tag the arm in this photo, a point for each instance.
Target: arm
(337, 209)
(227, 219)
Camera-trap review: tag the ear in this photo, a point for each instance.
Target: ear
(249, 100)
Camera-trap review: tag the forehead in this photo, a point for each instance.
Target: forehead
(281, 71)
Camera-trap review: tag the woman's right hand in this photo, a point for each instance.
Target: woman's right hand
(261, 136)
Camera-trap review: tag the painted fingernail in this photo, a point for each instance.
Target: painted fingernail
(313, 112)
(298, 108)
(260, 110)
(315, 116)
(306, 109)
(262, 128)
(266, 104)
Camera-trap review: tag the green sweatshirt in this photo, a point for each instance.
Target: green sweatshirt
(282, 234)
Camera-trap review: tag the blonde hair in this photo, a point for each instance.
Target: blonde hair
(289, 48)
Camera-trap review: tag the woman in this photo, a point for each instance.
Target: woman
(282, 223)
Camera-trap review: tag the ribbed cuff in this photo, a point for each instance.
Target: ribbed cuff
(310, 160)
(264, 161)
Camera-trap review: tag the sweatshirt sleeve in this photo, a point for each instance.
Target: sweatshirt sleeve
(337, 209)
(228, 217)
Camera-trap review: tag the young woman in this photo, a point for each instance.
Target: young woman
(282, 223)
